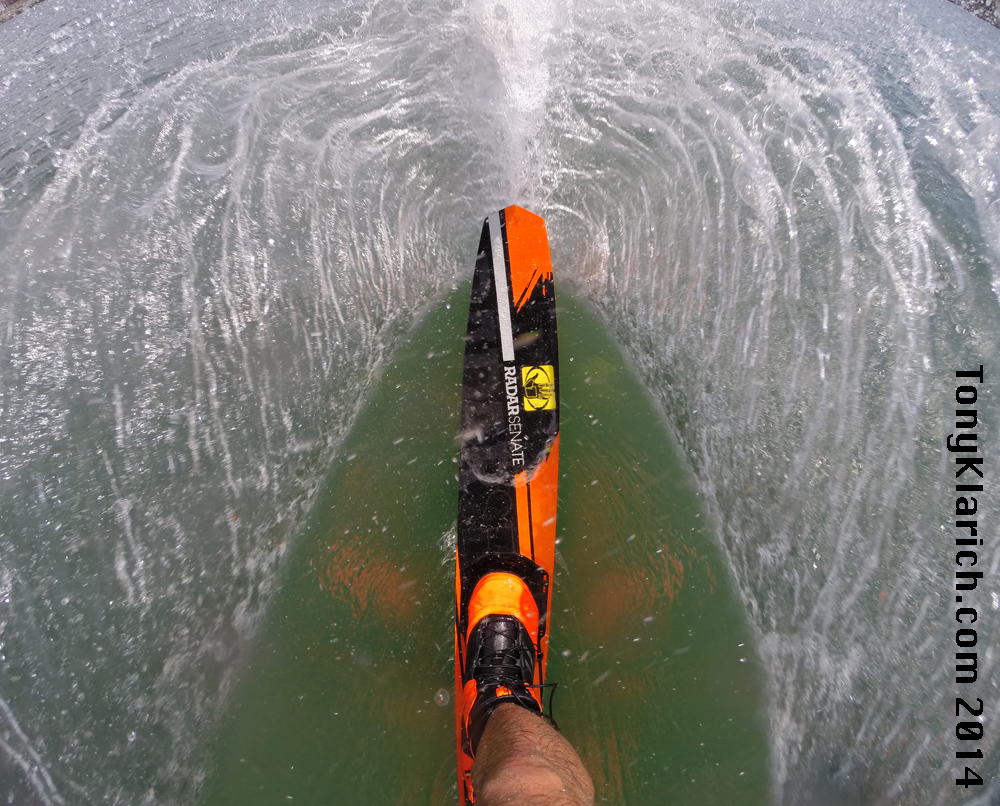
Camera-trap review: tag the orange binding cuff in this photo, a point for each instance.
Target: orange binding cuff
(504, 594)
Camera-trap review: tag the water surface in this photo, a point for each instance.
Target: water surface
(218, 224)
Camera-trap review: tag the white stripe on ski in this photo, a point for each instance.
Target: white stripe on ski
(503, 295)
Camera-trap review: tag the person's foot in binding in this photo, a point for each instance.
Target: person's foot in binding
(520, 760)
(501, 651)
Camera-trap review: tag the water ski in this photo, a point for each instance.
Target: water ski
(509, 452)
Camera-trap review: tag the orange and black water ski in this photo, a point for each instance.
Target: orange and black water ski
(509, 451)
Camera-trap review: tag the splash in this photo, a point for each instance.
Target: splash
(217, 225)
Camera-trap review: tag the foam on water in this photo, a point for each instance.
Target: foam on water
(216, 225)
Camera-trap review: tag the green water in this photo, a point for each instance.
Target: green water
(658, 684)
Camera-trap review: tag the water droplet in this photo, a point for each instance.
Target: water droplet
(442, 697)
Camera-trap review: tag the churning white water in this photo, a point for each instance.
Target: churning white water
(217, 222)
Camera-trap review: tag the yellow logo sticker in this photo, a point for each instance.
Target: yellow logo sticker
(539, 387)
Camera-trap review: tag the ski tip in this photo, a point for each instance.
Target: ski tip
(528, 252)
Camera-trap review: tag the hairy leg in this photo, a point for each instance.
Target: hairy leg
(523, 761)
